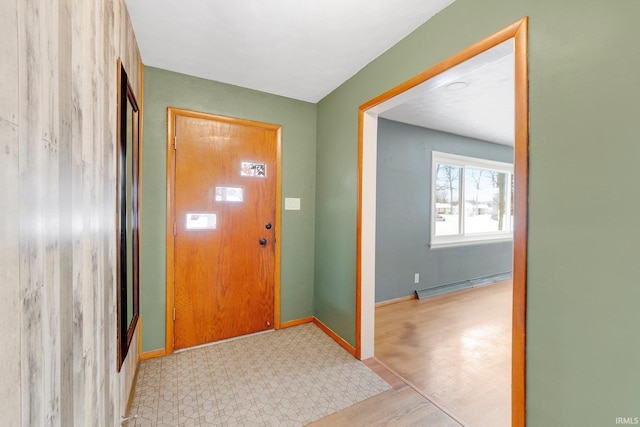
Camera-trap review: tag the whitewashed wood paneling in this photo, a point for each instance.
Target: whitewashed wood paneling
(10, 305)
(65, 109)
(9, 61)
(58, 142)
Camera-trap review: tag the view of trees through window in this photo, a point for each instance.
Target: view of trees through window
(472, 199)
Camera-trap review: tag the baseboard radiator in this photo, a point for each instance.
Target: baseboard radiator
(456, 286)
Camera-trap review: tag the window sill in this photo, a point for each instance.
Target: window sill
(453, 241)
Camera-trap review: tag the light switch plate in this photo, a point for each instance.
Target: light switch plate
(291, 204)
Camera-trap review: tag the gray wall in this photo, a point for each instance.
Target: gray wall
(58, 92)
(403, 214)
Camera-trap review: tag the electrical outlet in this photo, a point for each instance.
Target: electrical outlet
(416, 278)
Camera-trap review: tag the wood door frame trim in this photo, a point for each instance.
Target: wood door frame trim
(337, 338)
(519, 32)
(172, 113)
(327, 330)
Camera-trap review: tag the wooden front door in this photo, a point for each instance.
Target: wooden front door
(225, 224)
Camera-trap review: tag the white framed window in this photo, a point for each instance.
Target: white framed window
(471, 200)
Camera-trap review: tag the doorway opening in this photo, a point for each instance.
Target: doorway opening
(366, 223)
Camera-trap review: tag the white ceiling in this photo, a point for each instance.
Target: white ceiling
(304, 49)
(301, 49)
(483, 109)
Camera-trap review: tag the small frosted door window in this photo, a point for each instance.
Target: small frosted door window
(229, 194)
(201, 221)
(258, 170)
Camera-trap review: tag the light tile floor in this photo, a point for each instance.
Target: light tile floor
(288, 377)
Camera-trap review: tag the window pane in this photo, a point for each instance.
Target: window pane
(485, 201)
(447, 200)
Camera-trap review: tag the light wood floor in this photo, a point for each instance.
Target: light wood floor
(448, 359)
(455, 349)
(392, 408)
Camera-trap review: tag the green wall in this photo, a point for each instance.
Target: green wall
(298, 119)
(583, 308)
(583, 350)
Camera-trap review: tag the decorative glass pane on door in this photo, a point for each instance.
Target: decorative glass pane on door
(229, 194)
(253, 169)
(201, 221)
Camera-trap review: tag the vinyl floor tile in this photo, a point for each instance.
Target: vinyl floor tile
(288, 377)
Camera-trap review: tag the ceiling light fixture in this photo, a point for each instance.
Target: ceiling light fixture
(456, 85)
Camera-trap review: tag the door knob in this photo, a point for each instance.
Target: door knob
(263, 241)
(268, 226)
